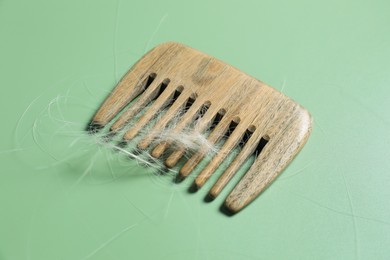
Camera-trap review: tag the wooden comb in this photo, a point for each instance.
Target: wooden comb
(275, 126)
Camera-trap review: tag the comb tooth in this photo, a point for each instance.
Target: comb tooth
(161, 124)
(277, 154)
(174, 157)
(213, 138)
(187, 118)
(162, 101)
(203, 124)
(131, 85)
(228, 174)
(229, 145)
(259, 176)
(116, 102)
(150, 93)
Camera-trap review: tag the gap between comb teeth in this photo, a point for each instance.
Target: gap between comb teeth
(251, 148)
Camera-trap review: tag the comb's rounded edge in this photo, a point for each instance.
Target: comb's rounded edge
(304, 125)
(166, 46)
(270, 163)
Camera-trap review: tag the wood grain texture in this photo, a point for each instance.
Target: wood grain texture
(257, 107)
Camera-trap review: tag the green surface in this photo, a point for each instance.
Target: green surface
(64, 197)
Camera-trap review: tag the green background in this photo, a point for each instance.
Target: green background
(62, 196)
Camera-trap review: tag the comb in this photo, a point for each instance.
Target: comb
(274, 127)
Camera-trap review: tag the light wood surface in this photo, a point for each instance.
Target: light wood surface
(253, 105)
